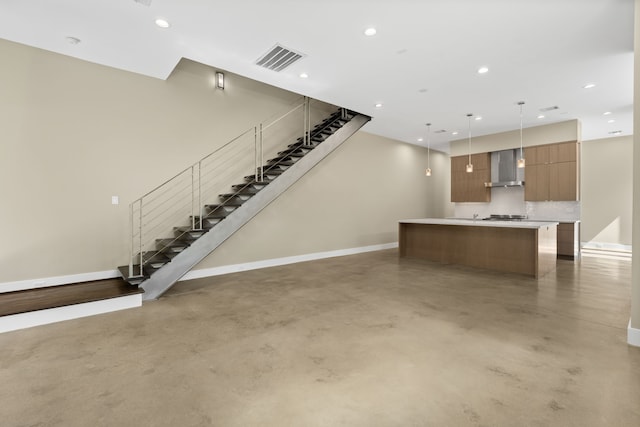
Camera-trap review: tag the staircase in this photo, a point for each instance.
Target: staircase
(155, 266)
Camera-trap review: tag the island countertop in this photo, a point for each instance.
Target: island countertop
(479, 222)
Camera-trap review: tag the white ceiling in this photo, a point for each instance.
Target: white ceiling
(421, 65)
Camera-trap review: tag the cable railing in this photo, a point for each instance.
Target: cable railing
(178, 206)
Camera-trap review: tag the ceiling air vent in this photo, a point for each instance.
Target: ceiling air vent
(278, 58)
(143, 2)
(440, 131)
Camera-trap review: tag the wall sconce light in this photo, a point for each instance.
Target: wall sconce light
(219, 80)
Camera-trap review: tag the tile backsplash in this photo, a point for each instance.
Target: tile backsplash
(510, 201)
(564, 211)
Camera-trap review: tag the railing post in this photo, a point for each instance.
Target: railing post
(131, 248)
(193, 200)
(200, 207)
(305, 140)
(261, 154)
(308, 121)
(255, 151)
(140, 232)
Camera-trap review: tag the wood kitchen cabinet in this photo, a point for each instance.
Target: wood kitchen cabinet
(469, 187)
(568, 243)
(459, 179)
(552, 172)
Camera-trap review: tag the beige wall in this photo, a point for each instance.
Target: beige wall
(439, 187)
(537, 135)
(74, 134)
(607, 188)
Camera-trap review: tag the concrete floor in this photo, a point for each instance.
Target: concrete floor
(364, 340)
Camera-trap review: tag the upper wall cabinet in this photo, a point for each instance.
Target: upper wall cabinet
(469, 186)
(552, 172)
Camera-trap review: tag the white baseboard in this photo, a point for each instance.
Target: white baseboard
(194, 274)
(57, 280)
(75, 311)
(633, 335)
(605, 246)
(235, 268)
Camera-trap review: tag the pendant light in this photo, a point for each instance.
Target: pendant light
(469, 166)
(521, 159)
(427, 172)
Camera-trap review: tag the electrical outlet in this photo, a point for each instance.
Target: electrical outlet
(115, 200)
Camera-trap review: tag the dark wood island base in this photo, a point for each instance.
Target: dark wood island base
(524, 248)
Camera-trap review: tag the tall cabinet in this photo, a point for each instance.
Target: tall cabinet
(469, 186)
(552, 172)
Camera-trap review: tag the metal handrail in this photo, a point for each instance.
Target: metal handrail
(185, 191)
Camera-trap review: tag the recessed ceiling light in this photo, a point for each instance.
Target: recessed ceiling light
(483, 70)
(304, 75)
(606, 113)
(589, 86)
(541, 116)
(478, 118)
(455, 132)
(420, 139)
(611, 121)
(162, 23)
(370, 32)
(72, 40)
(423, 90)
(378, 105)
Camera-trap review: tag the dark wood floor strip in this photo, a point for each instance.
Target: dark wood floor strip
(58, 296)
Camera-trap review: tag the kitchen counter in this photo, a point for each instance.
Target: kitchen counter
(524, 247)
(479, 222)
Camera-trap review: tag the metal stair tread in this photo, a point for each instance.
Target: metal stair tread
(292, 152)
(208, 222)
(235, 195)
(187, 229)
(284, 160)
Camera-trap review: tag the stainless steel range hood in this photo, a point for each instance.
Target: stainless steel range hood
(504, 170)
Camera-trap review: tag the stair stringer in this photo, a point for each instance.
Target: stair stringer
(169, 274)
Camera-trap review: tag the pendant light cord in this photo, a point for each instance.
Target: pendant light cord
(521, 150)
(469, 115)
(429, 145)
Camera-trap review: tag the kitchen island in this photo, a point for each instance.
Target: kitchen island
(523, 247)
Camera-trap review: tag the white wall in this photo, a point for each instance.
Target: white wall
(633, 335)
(607, 191)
